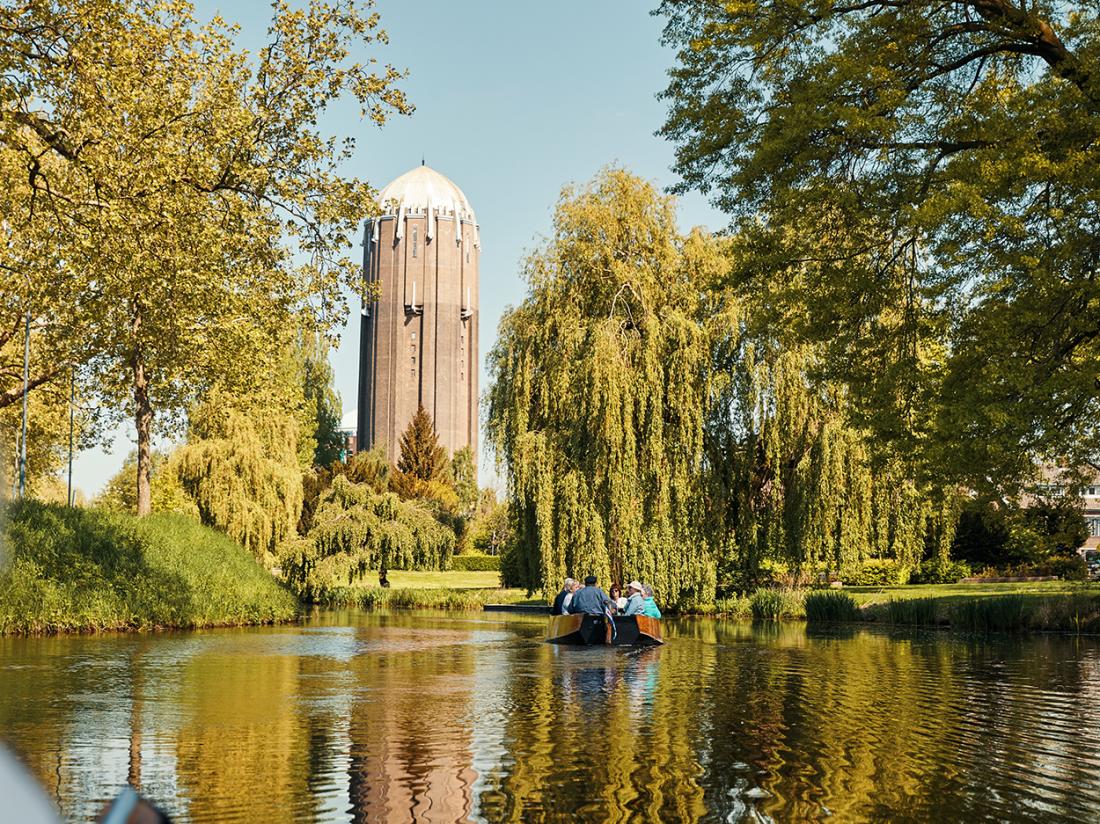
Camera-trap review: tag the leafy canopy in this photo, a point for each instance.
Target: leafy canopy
(916, 188)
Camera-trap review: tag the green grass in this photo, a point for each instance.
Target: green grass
(425, 598)
(84, 569)
(453, 579)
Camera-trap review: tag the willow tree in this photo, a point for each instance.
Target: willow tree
(242, 468)
(360, 527)
(598, 395)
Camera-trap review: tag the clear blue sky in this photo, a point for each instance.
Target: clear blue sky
(513, 101)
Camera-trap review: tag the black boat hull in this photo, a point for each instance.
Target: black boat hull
(594, 630)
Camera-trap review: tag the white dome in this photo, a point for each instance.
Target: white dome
(424, 191)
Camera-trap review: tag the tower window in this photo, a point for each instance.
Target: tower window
(416, 240)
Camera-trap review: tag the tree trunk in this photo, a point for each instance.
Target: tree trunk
(143, 418)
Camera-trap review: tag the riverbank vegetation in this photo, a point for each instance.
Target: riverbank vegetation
(72, 569)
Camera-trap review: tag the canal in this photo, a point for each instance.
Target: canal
(358, 716)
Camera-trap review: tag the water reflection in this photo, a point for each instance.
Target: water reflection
(406, 717)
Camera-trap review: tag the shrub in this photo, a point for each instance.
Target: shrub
(736, 606)
(1069, 568)
(878, 572)
(831, 606)
(774, 604)
(940, 571)
(476, 563)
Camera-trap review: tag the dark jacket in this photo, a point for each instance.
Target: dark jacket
(559, 599)
(589, 600)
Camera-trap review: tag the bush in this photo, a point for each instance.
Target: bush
(774, 604)
(831, 606)
(476, 563)
(736, 606)
(1069, 568)
(77, 569)
(939, 571)
(878, 572)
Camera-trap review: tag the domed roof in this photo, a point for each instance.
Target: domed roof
(424, 191)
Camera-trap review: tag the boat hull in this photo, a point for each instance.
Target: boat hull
(595, 630)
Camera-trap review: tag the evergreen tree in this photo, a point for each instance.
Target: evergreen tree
(422, 456)
(321, 398)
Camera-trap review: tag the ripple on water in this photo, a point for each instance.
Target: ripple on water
(365, 717)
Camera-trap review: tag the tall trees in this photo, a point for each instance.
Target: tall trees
(916, 186)
(655, 424)
(599, 394)
(422, 456)
(172, 184)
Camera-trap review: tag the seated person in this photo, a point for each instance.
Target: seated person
(590, 599)
(649, 606)
(635, 601)
(562, 599)
(618, 602)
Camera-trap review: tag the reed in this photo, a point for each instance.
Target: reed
(776, 604)
(832, 607)
(72, 569)
(912, 611)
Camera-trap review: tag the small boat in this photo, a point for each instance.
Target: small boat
(587, 630)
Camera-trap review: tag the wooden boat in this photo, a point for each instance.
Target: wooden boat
(586, 630)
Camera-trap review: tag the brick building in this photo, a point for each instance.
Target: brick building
(418, 343)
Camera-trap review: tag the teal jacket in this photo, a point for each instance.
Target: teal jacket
(650, 608)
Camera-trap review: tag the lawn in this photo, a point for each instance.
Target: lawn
(453, 579)
(952, 592)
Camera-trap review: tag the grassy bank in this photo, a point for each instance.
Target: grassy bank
(67, 569)
(1060, 606)
(427, 598)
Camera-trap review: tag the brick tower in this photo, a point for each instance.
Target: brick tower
(418, 339)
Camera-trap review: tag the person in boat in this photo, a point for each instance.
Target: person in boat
(562, 599)
(649, 606)
(635, 601)
(618, 602)
(589, 599)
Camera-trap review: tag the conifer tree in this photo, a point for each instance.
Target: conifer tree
(422, 457)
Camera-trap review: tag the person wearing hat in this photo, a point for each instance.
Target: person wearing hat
(635, 600)
(590, 600)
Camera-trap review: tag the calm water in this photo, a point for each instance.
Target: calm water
(398, 717)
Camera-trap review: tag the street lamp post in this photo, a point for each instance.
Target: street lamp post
(26, 382)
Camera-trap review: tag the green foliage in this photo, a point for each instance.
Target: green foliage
(653, 425)
(831, 606)
(938, 571)
(597, 402)
(1060, 522)
(464, 481)
(171, 206)
(913, 189)
(422, 457)
(491, 531)
(321, 400)
(369, 467)
(776, 604)
(981, 534)
(241, 468)
(878, 572)
(81, 569)
(168, 494)
(358, 530)
(476, 563)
